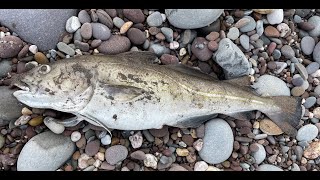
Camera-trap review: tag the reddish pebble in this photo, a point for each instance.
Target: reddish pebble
(213, 45)
(272, 46)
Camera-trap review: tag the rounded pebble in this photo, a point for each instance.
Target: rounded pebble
(75, 136)
(136, 36)
(100, 31)
(307, 133)
(115, 154)
(114, 45)
(53, 126)
(307, 45)
(72, 24)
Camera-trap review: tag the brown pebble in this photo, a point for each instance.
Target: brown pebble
(81, 143)
(213, 45)
(41, 58)
(271, 31)
(245, 130)
(68, 168)
(169, 59)
(254, 147)
(212, 36)
(297, 91)
(188, 139)
(154, 30)
(236, 145)
(76, 155)
(272, 65)
(159, 132)
(160, 36)
(244, 149)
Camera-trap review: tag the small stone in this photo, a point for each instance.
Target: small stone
(92, 147)
(169, 59)
(65, 48)
(312, 151)
(276, 54)
(125, 27)
(168, 33)
(244, 41)
(259, 27)
(134, 15)
(268, 85)
(106, 140)
(114, 45)
(302, 70)
(136, 36)
(310, 101)
(155, 19)
(83, 161)
(212, 36)
(297, 91)
(269, 127)
(86, 31)
(306, 26)
(26, 111)
(33, 49)
(41, 58)
(10, 46)
(233, 33)
(271, 31)
(314, 20)
(84, 17)
(104, 18)
(75, 136)
(136, 140)
(118, 22)
(307, 133)
(182, 152)
(275, 17)
(297, 81)
(312, 67)
(150, 161)
(242, 22)
(36, 121)
(100, 31)
(284, 29)
(53, 126)
(81, 143)
(159, 132)
(316, 53)
(177, 168)
(201, 166)
(260, 154)
(250, 26)
(73, 24)
(198, 144)
(115, 154)
(175, 45)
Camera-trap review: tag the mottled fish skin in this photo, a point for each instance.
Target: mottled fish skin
(129, 92)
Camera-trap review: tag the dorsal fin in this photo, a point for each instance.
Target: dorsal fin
(191, 71)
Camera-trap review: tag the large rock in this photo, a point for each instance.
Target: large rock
(45, 152)
(10, 107)
(231, 59)
(41, 27)
(192, 18)
(217, 141)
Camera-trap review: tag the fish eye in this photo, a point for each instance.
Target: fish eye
(44, 69)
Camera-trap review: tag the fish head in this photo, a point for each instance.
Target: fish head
(54, 86)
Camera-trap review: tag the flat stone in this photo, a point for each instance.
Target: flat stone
(139, 155)
(312, 151)
(136, 36)
(312, 67)
(192, 18)
(73, 24)
(46, 35)
(233, 33)
(244, 41)
(100, 31)
(134, 15)
(5, 68)
(115, 44)
(39, 154)
(287, 51)
(307, 133)
(316, 53)
(65, 48)
(259, 27)
(302, 70)
(86, 30)
(118, 22)
(229, 56)
(269, 127)
(84, 17)
(307, 45)
(104, 18)
(115, 154)
(92, 147)
(217, 142)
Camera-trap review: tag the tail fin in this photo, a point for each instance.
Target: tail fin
(289, 114)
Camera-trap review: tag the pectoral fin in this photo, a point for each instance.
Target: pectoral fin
(119, 93)
(248, 115)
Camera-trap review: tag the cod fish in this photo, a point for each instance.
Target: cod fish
(129, 91)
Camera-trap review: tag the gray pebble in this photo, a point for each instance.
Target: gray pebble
(276, 54)
(244, 41)
(292, 68)
(302, 12)
(250, 26)
(315, 20)
(298, 152)
(317, 90)
(118, 22)
(77, 35)
(302, 70)
(312, 67)
(72, 24)
(100, 31)
(297, 19)
(307, 45)
(82, 45)
(155, 19)
(268, 167)
(259, 27)
(146, 44)
(65, 48)
(104, 18)
(310, 101)
(158, 49)
(86, 30)
(295, 167)
(303, 144)
(259, 155)
(168, 33)
(316, 53)
(233, 33)
(5, 67)
(297, 81)
(307, 133)
(284, 149)
(148, 136)
(268, 85)
(287, 51)
(84, 17)
(314, 120)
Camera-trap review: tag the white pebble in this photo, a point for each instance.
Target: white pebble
(150, 161)
(100, 156)
(73, 24)
(106, 140)
(22, 120)
(174, 45)
(97, 163)
(316, 74)
(82, 161)
(198, 144)
(75, 136)
(163, 17)
(53, 126)
(33, 49)
(7, 33)
(136, 140)
(182, 52)
(201, 166)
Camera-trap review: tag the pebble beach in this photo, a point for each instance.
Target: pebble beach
(279, 49)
